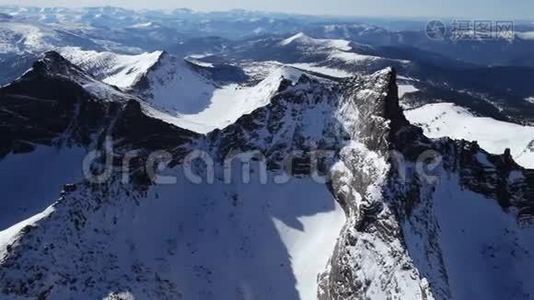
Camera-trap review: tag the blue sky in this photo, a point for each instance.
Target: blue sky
(474, 9)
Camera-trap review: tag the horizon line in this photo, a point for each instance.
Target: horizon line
(286, 13)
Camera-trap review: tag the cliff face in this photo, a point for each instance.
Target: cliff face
(370, 258)
(414, 207)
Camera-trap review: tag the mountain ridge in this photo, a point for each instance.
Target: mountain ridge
(392, 221)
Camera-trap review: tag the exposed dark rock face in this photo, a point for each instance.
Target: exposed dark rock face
(281, 127)
(386, 210)
(143, 83)
(44, 104)
(50, 105)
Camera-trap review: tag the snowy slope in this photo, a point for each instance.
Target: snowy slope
(302, 40)
(9, 236)
(352, 57)
(466, 244)
(62, 166)
(18, 37)
(311, 246)
(337, 51)
(311, 67)
(187, 99)
(55, 65)
(406, 89)
(447, 119)
(245, 223)
(119, 70)
(174, 86)
(331, 57)
(21, 37)
(481, 244)
(223, 240)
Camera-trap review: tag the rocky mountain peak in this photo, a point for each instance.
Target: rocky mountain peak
(53, 64)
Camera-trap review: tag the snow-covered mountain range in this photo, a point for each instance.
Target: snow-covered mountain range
(281, 165)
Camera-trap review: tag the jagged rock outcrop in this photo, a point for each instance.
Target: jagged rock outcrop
(56, 102)
(392, 245)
